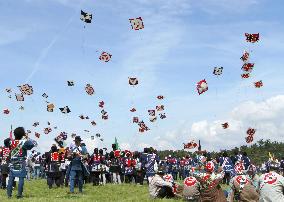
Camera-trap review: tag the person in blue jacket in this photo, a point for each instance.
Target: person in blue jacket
(17, 160)
(77, 169)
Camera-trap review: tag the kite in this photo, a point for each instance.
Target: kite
(245, 56)
(151, 112)
(258, 84)
(26, 89)
(218, 71)
(105, 57)
(137, 23)
(73, 135)
(103, 112)
(45, 95)
(50, 107)
(21, 108)
(133, 81)
(153, 118)
(92, 137)
(135, 120)
(133, 110)
(83, 117)
(65, 110)
(8, 90)
(89, 89)
(101, 139)
(36, 124)
(225, 125)
(250, 134)
(101, 104)
(47, 130)
(245, 76)
(142, 127)
(70, 83)
(28, 131)
(98, 135)
(48, 123)
(105, 117)
(248, 67)
(10, 96)
(252, 38)
(6, 111)
(162, 116)
(160, 97)
(160, 108)
(86, 17)
(251, 131)
(249, 139)
(202, 86)
(20, 97)
(190, 145)
(60, 139)
(87, 131)
(37, 135)
(93, 123)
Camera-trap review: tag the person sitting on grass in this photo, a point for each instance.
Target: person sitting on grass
(159, 188)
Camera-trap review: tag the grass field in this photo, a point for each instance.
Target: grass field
(37, 191)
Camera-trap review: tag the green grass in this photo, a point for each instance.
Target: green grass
(37, 191)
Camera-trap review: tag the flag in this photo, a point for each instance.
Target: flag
(11, 133)
(116, 143)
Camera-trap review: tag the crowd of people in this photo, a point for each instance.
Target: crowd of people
(192, 178)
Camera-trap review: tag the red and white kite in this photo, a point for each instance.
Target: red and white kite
(89, 89)
(105, 57)
(245, 56)
(190, 145)
(252, 38)
(202, 86)
(137, 23)
(258, 84)
(133, 81)
(248, 67)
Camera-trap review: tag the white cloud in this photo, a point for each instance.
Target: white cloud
(266, 117)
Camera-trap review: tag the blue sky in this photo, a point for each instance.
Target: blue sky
(44, 43)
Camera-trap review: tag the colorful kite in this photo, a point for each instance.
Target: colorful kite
(258, 84)
(248, 67)
(160, 108)
(225, 125)
(160, 97)
(162, 116)
(70, 83)
(218, 71)
(133, 110)
(137, 23)
(190, 145)
(86, 17)
(133, 81)
(47, 130)
(151, 112)
(6, 111)
(50, 107)
(202, 86)
(89, 89)
(101, 104)
(105, 57)
(26, 89)
(245, 56)
(65, 110)
(252, 38)
(245, 76)
(20, 97)
(45, 95)
(135, 120)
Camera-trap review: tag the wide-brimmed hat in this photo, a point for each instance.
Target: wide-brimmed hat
(78, 138)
